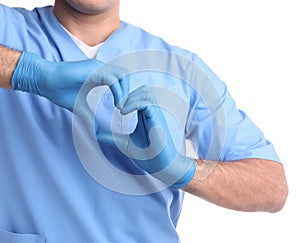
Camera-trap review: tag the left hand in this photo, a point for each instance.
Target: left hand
(150, 146)
(67, 84)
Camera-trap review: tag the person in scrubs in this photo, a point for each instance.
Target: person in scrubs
(95, 113)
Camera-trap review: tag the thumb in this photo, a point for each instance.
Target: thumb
(87, 116)
(132, 150)
(114, 139)
(83, 110)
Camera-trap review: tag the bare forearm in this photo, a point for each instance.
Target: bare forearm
(246, 185)
(8, 62)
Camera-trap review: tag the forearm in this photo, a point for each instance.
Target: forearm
(8, 62)
(246, 185)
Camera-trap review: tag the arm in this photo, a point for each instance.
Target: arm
(245, 185)
(8, 62)
(239, 182)
(66, 84)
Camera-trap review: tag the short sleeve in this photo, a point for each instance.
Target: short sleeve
(12, 27)
(216, 128)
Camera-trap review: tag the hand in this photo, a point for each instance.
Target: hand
(150, 146)
(68, 83)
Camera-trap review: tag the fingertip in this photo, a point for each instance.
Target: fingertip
(124, 111)
(148, 112)
(125, 83)
(121, 103)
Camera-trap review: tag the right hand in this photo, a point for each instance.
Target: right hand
(60, 82)
(151, 146)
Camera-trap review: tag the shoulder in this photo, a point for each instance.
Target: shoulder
(11, 13)
(30, 30)
(21, 19)
(143, 39)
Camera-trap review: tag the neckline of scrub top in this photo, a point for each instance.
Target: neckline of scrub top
(89, 51)
(115, 44)
(73, 52)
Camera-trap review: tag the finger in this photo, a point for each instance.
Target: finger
(125, 84)
(146, 142)
(125, 87)
(140, 136)
(121, 141)
(154, 117)
(118, 94)
(104, 77)
(83, 110)
(117, 78)
(118, 81)
(120, 90)
(138, 99)
(137, 105)
(101, 75)
(123, 76)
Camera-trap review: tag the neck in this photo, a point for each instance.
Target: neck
(92, 29)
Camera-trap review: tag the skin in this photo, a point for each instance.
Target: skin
(245, 185)
(8, 63)
(90, 21)
(248, 185)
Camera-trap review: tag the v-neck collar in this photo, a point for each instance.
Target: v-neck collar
(71, 52)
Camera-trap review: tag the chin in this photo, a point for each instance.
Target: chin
(92, 6)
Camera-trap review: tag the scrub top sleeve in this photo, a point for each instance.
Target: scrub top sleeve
(12, 27)
(216, 128)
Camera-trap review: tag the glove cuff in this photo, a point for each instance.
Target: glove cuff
(178, 173)
(26, 73)
(188, 176)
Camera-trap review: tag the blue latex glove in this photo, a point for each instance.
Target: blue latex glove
(60, 82)
(150, 146)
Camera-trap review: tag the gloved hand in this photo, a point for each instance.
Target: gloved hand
(60, 82)
(150, 146)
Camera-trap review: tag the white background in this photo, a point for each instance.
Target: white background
(254, 47)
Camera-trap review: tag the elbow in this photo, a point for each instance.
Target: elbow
(274, 187)
(280, 198)
(280, 193)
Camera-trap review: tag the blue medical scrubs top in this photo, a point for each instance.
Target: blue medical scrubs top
(48, 190)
